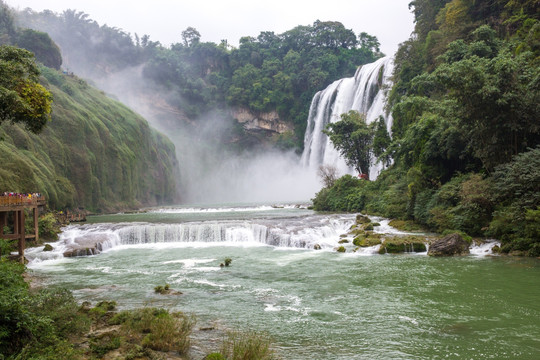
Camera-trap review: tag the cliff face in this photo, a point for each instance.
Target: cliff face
(267, 122)
(95, 153)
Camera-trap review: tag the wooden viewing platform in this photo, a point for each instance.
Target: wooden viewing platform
(17, 204)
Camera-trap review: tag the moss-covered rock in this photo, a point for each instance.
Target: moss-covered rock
(341, 249)
(367, 239)
(403, 244)
(362, 219)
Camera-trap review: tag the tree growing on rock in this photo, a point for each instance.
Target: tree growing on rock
(353, 138)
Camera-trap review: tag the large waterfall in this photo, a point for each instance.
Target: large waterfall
(366, 92)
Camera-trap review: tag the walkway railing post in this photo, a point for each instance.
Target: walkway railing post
(3, 222)
(16, 222)
(36, 222)
(22, 239)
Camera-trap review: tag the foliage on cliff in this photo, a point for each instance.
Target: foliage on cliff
(278, 72)
(22, 99)
(465, 137)
(95, 153)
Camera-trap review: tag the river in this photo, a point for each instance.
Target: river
(315, 304)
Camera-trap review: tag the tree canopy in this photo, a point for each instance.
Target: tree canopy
(41, 44)
(353, 138)
(270, 72)
(22, 98)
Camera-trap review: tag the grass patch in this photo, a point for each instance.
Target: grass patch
(156, 329)
(246, 346)
(165, 289)
(406, 225)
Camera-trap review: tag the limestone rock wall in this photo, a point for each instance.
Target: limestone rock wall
(269, 121)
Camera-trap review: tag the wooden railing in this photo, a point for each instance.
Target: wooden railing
(21, 200)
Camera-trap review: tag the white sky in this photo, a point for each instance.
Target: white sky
(164, 20)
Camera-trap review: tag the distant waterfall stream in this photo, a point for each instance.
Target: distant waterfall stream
(366, 93)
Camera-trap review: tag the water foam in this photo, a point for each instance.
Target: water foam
(287, 233)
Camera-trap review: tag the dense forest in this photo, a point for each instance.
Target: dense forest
(466, 131)
(61, 137)
(272, 72)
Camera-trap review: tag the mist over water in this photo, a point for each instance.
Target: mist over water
(209, 171)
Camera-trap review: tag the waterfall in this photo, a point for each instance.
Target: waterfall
(366, 93)
(92, 239)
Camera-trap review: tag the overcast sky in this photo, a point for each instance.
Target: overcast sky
(164, 20)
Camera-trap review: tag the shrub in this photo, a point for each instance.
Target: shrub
(5, 247)
(102, 345)
(48, 227)
(247, 346)
(36, 325)
(102, 310)
(156, 329)
(345, 195)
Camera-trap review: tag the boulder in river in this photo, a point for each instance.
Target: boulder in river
(449, 245)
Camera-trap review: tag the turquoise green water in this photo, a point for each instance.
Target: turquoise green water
(328, 305)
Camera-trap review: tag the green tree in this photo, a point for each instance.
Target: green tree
(7, 26)
(41, 44)
(381, 141)
(22, 98)
(353, 138)
(190, 36)
(497, 96)
(369, 42)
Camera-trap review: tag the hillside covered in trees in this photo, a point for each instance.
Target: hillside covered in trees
(61, 137)
(466, 132)
(272, 72)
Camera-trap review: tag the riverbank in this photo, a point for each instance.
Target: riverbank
(59, 328)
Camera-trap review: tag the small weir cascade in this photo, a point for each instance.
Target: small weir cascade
(366, 93)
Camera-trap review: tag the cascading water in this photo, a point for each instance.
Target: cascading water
(366, 93)
(303, 232)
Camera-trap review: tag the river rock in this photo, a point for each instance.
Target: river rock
(362, 219)
(449, 245)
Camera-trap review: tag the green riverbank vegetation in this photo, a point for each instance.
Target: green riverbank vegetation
(67, 140)
(48, 324)
(465, 138)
